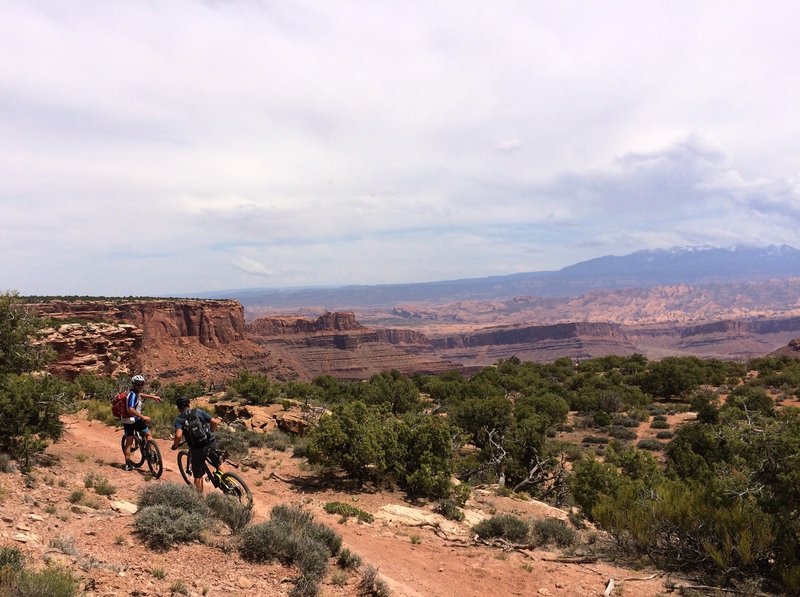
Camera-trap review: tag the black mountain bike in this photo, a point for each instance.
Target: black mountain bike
(228, 483)
(144, 449)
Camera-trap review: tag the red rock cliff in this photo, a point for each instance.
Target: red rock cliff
(214, 323)
(328, 322)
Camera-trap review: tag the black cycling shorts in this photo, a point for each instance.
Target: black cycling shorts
(139, 426)
(198, 456)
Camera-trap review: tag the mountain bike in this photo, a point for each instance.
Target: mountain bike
(144, 449)
(228, 483)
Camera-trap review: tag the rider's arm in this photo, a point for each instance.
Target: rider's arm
(176, 441)
(214, 423)
(151, 397)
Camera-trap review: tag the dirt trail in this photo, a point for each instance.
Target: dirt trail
(413, 560)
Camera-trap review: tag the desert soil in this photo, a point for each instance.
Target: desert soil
(412, 557)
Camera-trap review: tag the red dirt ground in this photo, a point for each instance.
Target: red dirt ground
(413, 560)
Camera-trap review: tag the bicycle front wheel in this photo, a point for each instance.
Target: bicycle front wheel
(137, 454)
(233, 485)
(154, 462)
(185, 466)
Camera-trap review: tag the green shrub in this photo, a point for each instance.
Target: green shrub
(12, 558)
(254, 388)
(449, 509)
(6, 464)
(372, 585)
(277, 440)
(30, 408)
(348, 510)
(601, 418)
(99, 483)
(175, 495)
(64, 545)
(348, 560)
(306, 586)
(658, 424)
(234, 440)
(680, 526)
(178, 588)
(650, 444)
(49, 582)
(161, 526)
(300, 447)
(553, 530)
(100, 410)
(503, 526)
(625, 421)
(235, 515)
(621, 433)
(595, 439)
(98, 388)
(291, 536)
(590, 480)
(665, 435)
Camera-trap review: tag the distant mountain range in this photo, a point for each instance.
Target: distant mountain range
(642, 269)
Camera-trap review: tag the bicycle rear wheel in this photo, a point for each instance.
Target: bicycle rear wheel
(154, 462)
(137, 454)
(233, 485)
(185, 466)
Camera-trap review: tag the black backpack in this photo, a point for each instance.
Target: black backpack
(197, 431)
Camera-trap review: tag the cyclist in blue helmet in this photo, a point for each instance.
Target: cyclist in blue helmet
(135, 420)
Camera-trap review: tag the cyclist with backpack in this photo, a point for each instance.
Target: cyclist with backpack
(133, 419)
(197, 427)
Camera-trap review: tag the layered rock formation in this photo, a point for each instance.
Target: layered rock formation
(187, 340)
(99, 348)
(535, 343)
(213, 323)
(336, 344)
(180, 340)
(727, 339)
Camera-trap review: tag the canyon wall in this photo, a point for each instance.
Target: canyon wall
(180, 339)
(213, 323)
(187, 340)
(542, 343)
(336, 344)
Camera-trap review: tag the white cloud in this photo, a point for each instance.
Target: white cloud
(509, 144)
(253, 267)
(365, 143)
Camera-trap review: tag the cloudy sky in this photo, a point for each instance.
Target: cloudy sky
(175, 146)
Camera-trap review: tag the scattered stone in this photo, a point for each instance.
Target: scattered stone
(21, 537)
(543, 591)
(35, 517)
(124, 507)
(245, 583)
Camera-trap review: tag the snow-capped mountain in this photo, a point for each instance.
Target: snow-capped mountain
(689, 265)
